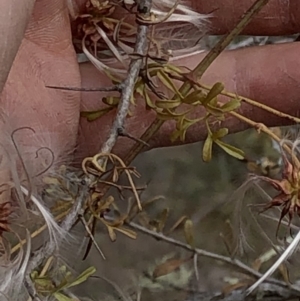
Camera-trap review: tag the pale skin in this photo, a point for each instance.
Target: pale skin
(36, 50)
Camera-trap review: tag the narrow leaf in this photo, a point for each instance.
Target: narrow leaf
(231, 105)
(189, 233)
(162, 219)
(177, 134)
(61, 297)
(111, 233)
(180, 221)
(83, 276)
(231, 150)
(127, 232)
(111, 100)
(167, 81)
(220, 133)
(207, 149)
(167, 104)
(216, 89)
(93, 115)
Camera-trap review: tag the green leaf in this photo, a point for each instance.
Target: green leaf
(61, 297)
(231, 150)
(139, 86)
(43, 282)
(169, 115)
(177, 134)
(82, 277)
(189, 233)
(214, 111)
(165, 79)
(163, 219)
(231, 105)
(149, 103)
(167, 104)
(220, 133)
(173, 68)
(216, 89)
(186, 123)
(195, 97)
(132, 99)
(207, 149)
(111, 100)
(93, 115)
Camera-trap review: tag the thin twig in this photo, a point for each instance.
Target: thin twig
(254, 104)
(91, 236)
(129, 83)
(103, 89)
(198, 72)
(260, 127)
(223, 43)
(122, 133)
(233, 262)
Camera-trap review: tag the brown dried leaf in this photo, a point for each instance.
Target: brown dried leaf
(167, 104)
(162, 219)
(127, 232)
(285, 274)
(180, 221)
(220, 133)
(167, 267)
(111, 233)
(256, 264)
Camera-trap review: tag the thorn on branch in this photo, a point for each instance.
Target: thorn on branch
(117, 88)
(129, 83)
(123, 133)
(82, 219)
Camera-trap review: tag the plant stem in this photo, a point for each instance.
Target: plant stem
(255, 104)
(197, 74)
(265, 129)
(233, 262)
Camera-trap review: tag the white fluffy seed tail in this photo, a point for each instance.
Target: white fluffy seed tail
(286, 254)
(56, 233)
(14, 272)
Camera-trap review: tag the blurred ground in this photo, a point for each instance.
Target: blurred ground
(205, 193)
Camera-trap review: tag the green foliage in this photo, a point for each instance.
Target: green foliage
(47, 287)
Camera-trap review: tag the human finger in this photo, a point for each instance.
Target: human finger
(266, 74)
(14, 17)
(276, 18)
